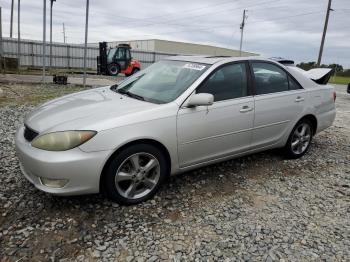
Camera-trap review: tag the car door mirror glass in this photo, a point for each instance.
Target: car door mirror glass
(202, 99)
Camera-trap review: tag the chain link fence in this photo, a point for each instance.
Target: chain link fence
(70, 56)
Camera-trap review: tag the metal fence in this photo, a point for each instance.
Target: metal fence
(66, 55)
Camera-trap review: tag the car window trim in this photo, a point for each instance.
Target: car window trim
(290, 77)
(249, 80)
(250, 62)
(281, 93)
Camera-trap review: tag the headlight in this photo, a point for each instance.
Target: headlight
(62, 141)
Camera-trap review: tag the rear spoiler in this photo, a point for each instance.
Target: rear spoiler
(320, 76)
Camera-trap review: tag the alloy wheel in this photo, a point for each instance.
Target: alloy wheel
(301, 138)
(137, 176)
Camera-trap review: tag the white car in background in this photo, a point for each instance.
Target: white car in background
(178, 114)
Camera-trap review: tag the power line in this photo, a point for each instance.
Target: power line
(171, 14)
(153, 23)
(209, 29)
(185, 18)
(205, 28)
(284, 17)
(226, 25)
(195, 16)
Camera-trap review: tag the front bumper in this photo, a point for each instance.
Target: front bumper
(81, 169)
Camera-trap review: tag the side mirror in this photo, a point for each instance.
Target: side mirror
(203, 99)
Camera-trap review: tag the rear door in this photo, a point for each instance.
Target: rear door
(222, 129)
(279, 100)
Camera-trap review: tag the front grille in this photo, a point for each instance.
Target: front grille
(29, 134)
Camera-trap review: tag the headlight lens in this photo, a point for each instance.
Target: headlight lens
(62, 141)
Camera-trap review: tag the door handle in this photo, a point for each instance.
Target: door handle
(246, 109)
(299, 99)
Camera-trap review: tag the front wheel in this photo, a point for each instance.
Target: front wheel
(135, 174)
(299, 140)
(113, 69)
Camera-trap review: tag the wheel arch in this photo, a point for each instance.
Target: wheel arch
(152, 142)
(313, 121)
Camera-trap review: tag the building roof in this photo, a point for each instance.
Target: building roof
(185, 48)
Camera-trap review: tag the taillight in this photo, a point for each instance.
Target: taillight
(334, 96)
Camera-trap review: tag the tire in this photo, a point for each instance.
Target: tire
(299, 141)
(113, 69)
(127, 180)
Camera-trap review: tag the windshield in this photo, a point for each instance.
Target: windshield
(110, 55)
(163, 81)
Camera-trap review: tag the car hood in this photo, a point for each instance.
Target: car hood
(84, 110)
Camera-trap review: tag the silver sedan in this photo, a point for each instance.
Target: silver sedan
(178, 114)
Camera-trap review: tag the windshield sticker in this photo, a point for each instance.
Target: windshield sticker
(194, 67)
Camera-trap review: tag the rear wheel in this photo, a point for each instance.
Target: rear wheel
(299, 140)
(113, 69)
(135, 174)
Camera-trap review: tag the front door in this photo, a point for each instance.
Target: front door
(222, 129)
(122, 57)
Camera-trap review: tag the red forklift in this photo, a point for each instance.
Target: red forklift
(114, 61)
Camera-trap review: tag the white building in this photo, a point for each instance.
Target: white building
(174, 47)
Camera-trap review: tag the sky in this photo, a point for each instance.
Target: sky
(281, 28)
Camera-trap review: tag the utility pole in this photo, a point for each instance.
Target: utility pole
(329, 8)
(44, 40)
(1, 50)
(2, 62)
(242, 29)
(64, 34)
(19, 34)
(11, 19)
(86, 38)
(51, 32)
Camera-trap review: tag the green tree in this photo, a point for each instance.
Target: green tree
(310, 65)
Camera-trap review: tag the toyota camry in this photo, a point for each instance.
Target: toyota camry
(178, 114)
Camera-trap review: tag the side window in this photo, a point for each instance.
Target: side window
(269, 78)
(120, 53)
(128, 55)
(228, 82)
(293, 85)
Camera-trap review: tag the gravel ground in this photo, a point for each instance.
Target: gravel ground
(259, 208)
